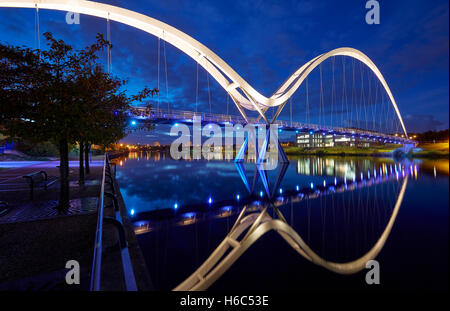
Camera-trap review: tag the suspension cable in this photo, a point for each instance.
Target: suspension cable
(307, 102)
(321, 96)
(332, 89)
(290, 108)
(369, 100)
(159, 56)
(196, 92)
(353, 92)
(228, 100)
(344, 89)
(209, 92)
(167, 81)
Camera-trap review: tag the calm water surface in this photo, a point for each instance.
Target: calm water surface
(339, 206)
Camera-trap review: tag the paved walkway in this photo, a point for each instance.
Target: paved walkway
(14, 190)
(47, 209)
(36, 240)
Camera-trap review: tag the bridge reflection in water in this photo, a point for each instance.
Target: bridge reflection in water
(340, 200)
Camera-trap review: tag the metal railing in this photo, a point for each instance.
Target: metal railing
(116, 221)
(174, 114)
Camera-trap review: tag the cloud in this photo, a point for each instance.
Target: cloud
(418, 123)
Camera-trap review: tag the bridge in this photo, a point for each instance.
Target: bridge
(246, 98)
(252, 226)
(173, 116)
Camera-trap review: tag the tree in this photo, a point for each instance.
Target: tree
(108, 109)
(43, 98)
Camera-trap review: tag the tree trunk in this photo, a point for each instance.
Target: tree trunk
(81, 169)
(64, 174)
(87, 149)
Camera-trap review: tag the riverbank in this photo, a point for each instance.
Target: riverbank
(438, 150)
(432, 150)
(342, 151)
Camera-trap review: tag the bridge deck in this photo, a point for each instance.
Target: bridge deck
(187, 117)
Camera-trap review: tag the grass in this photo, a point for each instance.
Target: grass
(343, 150)
(14, 157)
(432, 150)
(428, 150)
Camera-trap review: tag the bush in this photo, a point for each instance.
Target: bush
(45, 149)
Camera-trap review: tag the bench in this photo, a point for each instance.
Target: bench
(38, 179)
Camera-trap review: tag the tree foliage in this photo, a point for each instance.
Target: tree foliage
(62, 95)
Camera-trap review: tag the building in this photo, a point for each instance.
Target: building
(326, 139)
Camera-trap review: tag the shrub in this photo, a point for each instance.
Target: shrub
(45, 149)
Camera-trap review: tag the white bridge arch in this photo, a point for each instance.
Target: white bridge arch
(213, 64)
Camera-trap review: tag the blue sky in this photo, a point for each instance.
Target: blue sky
(265, 42)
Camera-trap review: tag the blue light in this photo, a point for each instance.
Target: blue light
(311, 132)
(132, 212)
(312, 186)
(226, 208)
(133, 122)
(176, 124)
(297, 188)
(261, 194)
(324, 183)
(238, 197)
(296, 132)
(175, 206)
(280, 130)
(210, 200)
(281, 191)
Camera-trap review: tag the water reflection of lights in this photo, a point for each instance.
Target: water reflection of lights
(289, 196)
(375, 174)
(188, 219)
(224, 212)
(141, 227)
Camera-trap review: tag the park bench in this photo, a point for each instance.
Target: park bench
(38, 179)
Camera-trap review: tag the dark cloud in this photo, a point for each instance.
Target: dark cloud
(418, 123)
